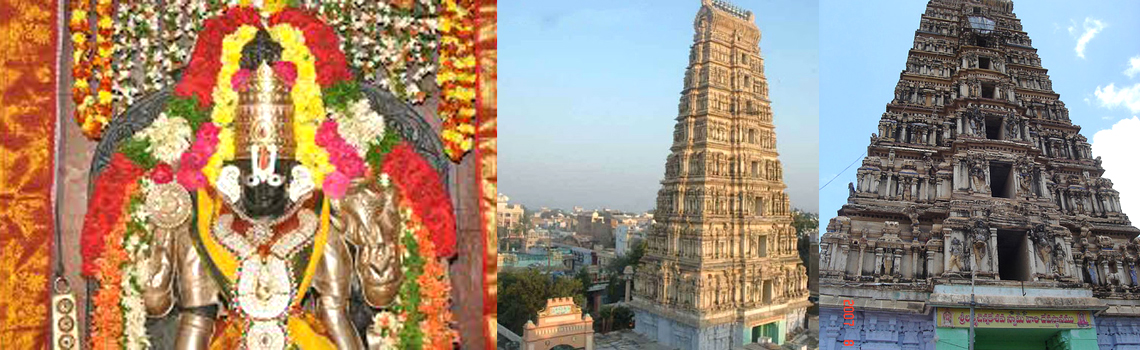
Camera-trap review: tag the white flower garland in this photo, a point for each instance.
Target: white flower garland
(385, 331)
(360, 126)
(136, 244)
(168, 137)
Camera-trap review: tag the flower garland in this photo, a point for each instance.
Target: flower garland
(103, 252)
(80, 65)
(92, 111)
(456, 77)
(111, 191)
(339, 137)
(416, 179)
(136, 242)
(422, 307)
(308, 107)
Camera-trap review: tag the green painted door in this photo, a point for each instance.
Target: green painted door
(1017, 339)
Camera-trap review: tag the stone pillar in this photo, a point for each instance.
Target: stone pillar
(992, 247)
(839, 258)
(1103, 271)
(878, 268)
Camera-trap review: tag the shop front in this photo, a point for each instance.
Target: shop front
(1015, 329)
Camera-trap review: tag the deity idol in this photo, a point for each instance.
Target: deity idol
(276, 219)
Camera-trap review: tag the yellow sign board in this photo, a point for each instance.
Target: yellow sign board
(991, 318)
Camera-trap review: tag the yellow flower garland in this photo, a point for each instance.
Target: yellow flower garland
(225, 99)
(308, 107)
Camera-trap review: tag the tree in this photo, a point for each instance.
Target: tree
(804, 223)
(522, 293)
(615, 291)
(613, 318)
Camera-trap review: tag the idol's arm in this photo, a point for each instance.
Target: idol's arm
(370, 220)
(157, 289)
(169, 216)
(198, 298)
(333, 281)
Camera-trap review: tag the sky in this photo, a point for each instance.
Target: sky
(1091, 49)
(588, 94)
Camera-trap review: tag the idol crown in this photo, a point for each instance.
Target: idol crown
(264, 117)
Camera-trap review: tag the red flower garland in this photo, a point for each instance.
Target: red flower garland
(105, 207)
(322, 41)
(202, 73)
(420, 183)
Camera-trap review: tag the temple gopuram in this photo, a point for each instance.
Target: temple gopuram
(722, 269)
(978, 199)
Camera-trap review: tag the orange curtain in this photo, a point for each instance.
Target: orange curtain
(486, 148)
(28, 84)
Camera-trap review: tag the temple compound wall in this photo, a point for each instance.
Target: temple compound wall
(978, 200)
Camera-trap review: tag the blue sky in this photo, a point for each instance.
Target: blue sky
(864, 48)
(588, 93)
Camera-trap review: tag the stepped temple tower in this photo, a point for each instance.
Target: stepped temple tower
(978, 191)
(722, 268)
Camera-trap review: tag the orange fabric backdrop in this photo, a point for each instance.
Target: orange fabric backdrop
(29, 44)
(486, 149)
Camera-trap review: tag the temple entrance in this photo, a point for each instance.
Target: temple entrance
(561, 326)
(995, 339)
(774, 331)
(1016, 329)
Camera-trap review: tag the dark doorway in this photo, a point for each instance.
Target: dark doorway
(984, 62)
(1001, 180)
(988, 90)
(1013, 256)
(993, 128)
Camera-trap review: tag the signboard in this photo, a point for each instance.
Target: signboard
(560, 310)
(1035, 319)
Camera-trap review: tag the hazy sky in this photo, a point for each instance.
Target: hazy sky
(864, 48)
(588, 93)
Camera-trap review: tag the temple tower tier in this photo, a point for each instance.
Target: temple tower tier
(977, 186)
(722, 268)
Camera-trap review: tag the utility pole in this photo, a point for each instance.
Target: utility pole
(973, 302)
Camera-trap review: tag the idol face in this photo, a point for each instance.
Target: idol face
(265, 198)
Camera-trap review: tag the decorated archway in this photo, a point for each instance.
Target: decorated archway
(561, 326)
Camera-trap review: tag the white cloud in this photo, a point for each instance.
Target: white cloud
(1117, 147)
(1133, 67)
(1092, 27)
(1110, 97)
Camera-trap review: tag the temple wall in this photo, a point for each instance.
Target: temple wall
(1118, 333)
(876, 330)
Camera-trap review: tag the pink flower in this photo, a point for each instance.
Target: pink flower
(208, 132)
(193, 161)
(351, 164)
(327, 134)
(240, 79)
(191, 179)
(162, 173)
(204, 148)
(336, 185)
(287, 71)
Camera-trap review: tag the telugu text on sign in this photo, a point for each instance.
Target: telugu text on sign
(989, 318)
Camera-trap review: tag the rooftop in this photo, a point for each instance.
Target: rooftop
(731, 8)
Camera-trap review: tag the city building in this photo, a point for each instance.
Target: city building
(621, 239)
(598, 225)
(979, 198)
(721, 269)
(506, 214)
